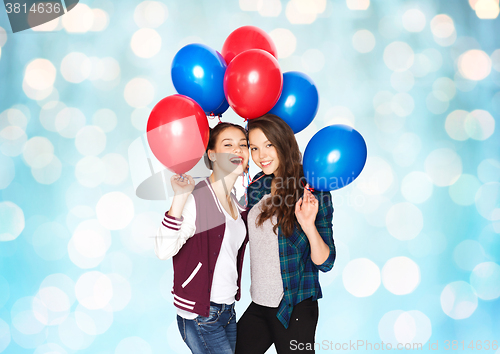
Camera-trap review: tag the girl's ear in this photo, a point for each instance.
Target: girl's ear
(211, 155)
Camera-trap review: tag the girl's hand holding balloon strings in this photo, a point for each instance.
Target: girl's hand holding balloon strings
(182, 184)
(306, 209)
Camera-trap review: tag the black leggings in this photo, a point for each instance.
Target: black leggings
(258, 328)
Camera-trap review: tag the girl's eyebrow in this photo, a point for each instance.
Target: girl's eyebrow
(227, 139)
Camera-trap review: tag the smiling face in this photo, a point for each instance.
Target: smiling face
(264, 154)
(230, 152)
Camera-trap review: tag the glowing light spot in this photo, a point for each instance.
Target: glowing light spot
(93, 290)
(400, 275)
(115, 210)
(38, 152)
(339, 115)
(437, 102)
(313, 60)
(464, 190)
(12, 140)
(111, 69)
(101, 20)
(3, 37)
(361, 277)
(378, 176)
(407, 149)
(485, 279)
(414, 20)
(458, 300)
(402, 104)
(150, 14)
(122, 292)
(298, 14)
(11, 221)
(72, 336)
(133, 345)
(76, 67)
(363, 41)
(90, 140)
(358, 4)
(94, 322)
(146, 43)
(488, 201)
(398, 56)
(23, 318)
(139, 92)
(404, 221)
(412, 327)
(487, 9)
(48, 174)
(79, 20)
(454, 125)
(474, 65)
(489, 171)
(105, 119)
(402, 81)
(416, 187)
(442, 26)
(479, 124)
(421, 65)
(90, 171)
(445, 85)
(40, 74)
(468, 254)
(272, 8)
(49, 241)
(69, 121)
(285, 41)
(443, 166)
(8, 171)
(116, 168)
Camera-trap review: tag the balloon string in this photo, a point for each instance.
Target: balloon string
(311, 189)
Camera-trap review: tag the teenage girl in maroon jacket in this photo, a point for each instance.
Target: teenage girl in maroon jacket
(205, 233)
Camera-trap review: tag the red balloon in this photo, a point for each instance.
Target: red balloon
(253, 83)
(245, 38)
(178, 132)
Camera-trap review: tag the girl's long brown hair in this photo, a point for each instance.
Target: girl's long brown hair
(288, 176)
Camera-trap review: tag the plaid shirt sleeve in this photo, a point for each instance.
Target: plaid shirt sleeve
(324, 225)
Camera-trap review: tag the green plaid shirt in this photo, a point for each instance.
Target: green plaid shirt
(298, 271)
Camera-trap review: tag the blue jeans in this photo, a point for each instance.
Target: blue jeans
(215, 334)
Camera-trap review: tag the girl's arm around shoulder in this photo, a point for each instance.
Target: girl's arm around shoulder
(174, 232)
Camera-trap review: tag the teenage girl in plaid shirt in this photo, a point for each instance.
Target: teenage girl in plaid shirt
(291, 238)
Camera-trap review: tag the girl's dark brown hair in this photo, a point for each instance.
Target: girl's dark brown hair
(214, 135)
(287, 177)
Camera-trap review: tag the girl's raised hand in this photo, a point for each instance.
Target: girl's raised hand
(182, 184)
(306, 209)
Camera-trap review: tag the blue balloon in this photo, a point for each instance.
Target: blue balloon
(221, 109)
(298, 102)
(334, 157)
(198, 72)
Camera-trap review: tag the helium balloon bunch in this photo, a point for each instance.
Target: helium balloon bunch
(245, 76)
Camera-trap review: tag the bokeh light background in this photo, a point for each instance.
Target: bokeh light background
(417, 235)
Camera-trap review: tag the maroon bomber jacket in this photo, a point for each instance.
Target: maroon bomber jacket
(194, 264)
